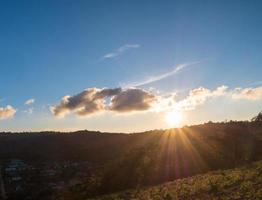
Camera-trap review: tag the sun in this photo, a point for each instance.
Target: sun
(174, 118)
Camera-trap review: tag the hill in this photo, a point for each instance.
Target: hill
(240, 183)
(160, 156)
(113, 162)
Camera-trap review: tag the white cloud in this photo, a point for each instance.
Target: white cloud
(199, 96)
(7, 112)
(120, 50)
(248, 93)
(29, 102)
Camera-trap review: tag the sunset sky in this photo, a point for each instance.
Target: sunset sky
(125, 66)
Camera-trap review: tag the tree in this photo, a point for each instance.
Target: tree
(257, 118)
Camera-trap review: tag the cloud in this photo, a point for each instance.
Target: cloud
(159, 77)
(107, 92)
(199, 96)
(29, 102)
(132, 100)
(7, 112)
(29, 111)
(83, 103)
(256, 83)
(248, 93)
(120, 50)
(93, 100)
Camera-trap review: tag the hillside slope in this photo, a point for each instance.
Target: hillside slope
(240, 183)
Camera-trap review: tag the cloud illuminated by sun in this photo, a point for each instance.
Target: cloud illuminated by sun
(174, 118)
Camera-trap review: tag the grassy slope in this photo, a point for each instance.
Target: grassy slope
(240, 183)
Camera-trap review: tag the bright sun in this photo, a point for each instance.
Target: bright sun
(174, 118)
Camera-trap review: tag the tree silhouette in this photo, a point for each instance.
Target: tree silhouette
(257, 118)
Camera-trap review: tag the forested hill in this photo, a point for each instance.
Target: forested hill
(140, 159)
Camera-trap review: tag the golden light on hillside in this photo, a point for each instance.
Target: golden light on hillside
(174, 118)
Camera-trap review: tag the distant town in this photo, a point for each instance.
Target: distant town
(21, 179)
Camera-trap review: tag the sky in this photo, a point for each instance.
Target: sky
(127, 66)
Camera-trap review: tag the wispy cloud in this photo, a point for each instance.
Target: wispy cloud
(29, 102)
(119, 51)
(159, 77)
(29, 111)
(256, 83)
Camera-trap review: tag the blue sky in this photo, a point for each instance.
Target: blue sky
(50, 49)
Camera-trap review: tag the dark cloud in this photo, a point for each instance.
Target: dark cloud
(107, 92)
(83, 103)
(92, 100)
(132, 100)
